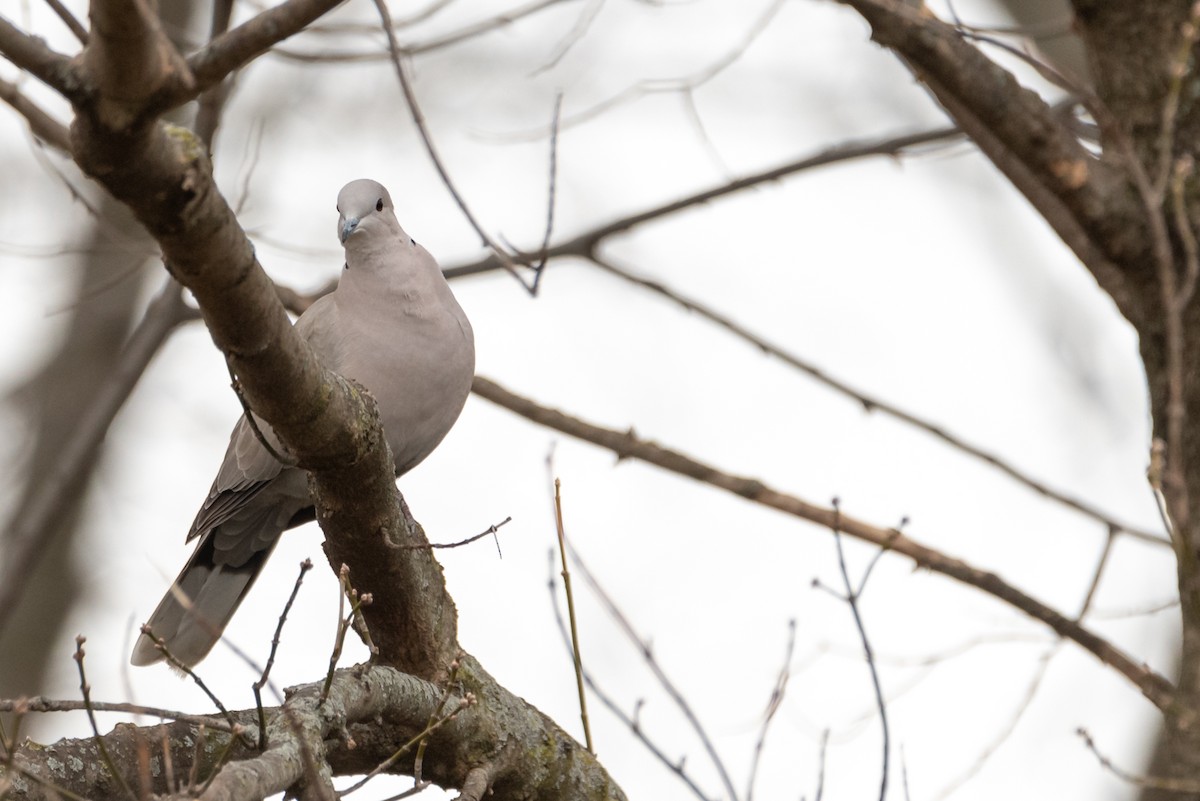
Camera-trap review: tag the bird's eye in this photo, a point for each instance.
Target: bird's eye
(379, 205)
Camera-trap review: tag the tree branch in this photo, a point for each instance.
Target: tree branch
(583, 245)
(237, 48)
(41, 124)
(872, 404)
(369, 710)
(31, 54)
(131, 63)
(1083, 198)
(1156, 688)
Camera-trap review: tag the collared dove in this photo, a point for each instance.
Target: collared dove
(393, 325)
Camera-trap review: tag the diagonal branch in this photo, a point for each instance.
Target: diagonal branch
(41, 124)
(33, 55)
(237, 48)
(584, 245)
(1155, 687)
(1082, 198)
(873, 403)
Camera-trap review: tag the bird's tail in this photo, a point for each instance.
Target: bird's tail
(195, 610)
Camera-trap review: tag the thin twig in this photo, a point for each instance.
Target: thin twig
(821, 766)
(1184, 168)
(455, 37)
(194, 770)
(419, 759)
(235, 384)
(161, 645)
(344, 624)
(489, 531)
(305, 566)
(773, 705)
(872, 403)
(656, 668)
(630, 721)
(1188, 786)
(577, 658)
(419, 120)
(550, 196)
(86, 689)
(1177, 71)
(852, 599)
(69, 20)
(49, 705)
(585, 244)
(1004, 734)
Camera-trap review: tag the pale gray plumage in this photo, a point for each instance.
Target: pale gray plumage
(393, 325)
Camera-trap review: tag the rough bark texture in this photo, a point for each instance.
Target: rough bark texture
(369, 712)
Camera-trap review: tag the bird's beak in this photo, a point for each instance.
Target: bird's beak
(348, 228)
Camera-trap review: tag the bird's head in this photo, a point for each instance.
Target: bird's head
(365, 208)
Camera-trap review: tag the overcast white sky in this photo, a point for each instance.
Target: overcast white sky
(926, 281)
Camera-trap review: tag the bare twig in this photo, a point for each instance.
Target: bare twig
(48, 705)
(490, 531)
(1006, 732)
(630, 721)
(550, 195)
(1184, 168)
(86, 689)
(419, 120)
(69, 20)
(773, 705)
(484, 26)
(1177, 71)
(585, 244)
(656, 668)
(685, 84)
(305, 566)
(161, 645)
(821, 766)
(577, 658)
(851, 598)
(873, 403)
(248, 415)
(1154, 686)
(1187, 786)
(344, 624)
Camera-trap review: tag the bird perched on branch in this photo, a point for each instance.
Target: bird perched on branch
(392, 325)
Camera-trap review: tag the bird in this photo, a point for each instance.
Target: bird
(393, 325)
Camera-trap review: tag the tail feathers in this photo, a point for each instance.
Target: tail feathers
(192, 615)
